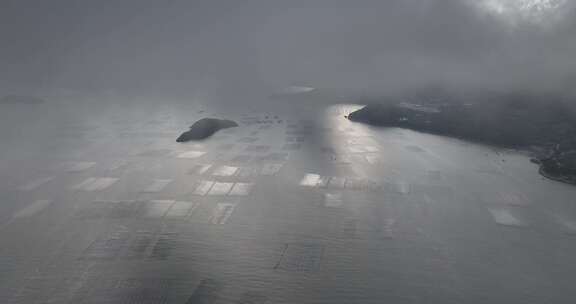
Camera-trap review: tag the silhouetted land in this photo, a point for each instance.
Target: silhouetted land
(543, 125)
(205, 128)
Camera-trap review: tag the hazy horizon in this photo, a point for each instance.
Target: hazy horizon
(238, 51)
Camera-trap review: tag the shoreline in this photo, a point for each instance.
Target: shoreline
(499, 127)
(560, 179)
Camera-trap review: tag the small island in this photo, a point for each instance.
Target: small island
(205, 128)
(543, 125)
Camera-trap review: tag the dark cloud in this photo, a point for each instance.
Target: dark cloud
(249, 47)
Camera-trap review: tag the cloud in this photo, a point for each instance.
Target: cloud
(236, 48)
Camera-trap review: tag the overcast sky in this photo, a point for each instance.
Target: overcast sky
(238, 46)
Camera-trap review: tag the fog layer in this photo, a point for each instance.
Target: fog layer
(243, 50)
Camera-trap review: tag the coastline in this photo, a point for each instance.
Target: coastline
(500, 127)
